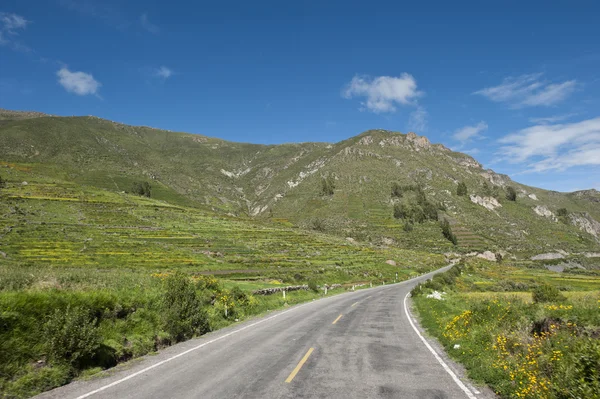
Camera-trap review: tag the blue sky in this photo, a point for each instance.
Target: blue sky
(515, 84)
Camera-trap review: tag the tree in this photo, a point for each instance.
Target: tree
(401, 211)
(2, 182)
(511, 194)
(327, 185)
(142, 188)
(447, 231)
(396, 190)
(461, 190)
(562, 212)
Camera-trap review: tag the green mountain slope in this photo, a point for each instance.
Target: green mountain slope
(283, 183)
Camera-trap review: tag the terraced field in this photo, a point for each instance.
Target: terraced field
(63, 226)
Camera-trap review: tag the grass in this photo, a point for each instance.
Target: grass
(520, 348)
(106, 256)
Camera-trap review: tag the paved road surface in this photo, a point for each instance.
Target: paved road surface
(354, 345)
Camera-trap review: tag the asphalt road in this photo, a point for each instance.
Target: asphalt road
(354, 345)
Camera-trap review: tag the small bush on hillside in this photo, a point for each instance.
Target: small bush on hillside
(511, 194)
(447, 231)
(71, 337)
(408, 226)
(396, 190)
(2, 182)
(327, 185)
(562, 212)
(142, 188)
(239, 296)
(183, 314)
(461, 190)
(547, 293)
(312, 285)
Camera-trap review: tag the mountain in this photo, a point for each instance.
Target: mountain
(337, 188)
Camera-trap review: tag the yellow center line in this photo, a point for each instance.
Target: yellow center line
(354, 304)
(299, 366)
(336, 320)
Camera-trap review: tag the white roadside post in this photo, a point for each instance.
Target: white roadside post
(283, 294)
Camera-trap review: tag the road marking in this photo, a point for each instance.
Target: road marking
(336, 320)
(130, 376)
(299, 366)
(354, 304)
(437, 357)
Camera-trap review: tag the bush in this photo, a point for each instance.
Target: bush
(2, 182)
(408, 226)
(562, 212)
(183, 313)
(396, 190)
(142, 188)
(447, 231)
(547, 293)
(327, 185)
(71, 336)
(511, 194)
(312, 285)
(461, 190)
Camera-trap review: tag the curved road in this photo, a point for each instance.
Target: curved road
(353, 345)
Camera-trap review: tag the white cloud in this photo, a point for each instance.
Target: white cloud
(559, 146)
(163, 72)
(418, 120)
(10, 26)
(79, 83)
(529, 91)
(11, 23)
(383, 93)
(551, 119)
(146, 24)
(469, 132)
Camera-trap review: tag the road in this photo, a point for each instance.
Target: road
(354, 345)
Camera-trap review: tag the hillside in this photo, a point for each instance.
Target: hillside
(282, 184)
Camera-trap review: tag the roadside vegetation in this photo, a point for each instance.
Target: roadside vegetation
(91, 278)
(527, 333)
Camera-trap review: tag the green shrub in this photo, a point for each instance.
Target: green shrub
(327, 185)
(71, 336)
(2, 182)
(408, 226)
(562, 212)
(547, 293)
(142, 189)
(447, 231)
(511, 193)
(183, 311)
(461, 190)
(312, 285)
(396, 190)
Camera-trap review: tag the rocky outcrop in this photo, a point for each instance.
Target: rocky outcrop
(548, 256)
(419, 142)
(495, 178)
(488, 255)
(586, 223)
(542, 210)
(490, 203)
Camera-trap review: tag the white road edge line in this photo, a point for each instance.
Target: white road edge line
(437, 357)
(112, 384)
(117, 382)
